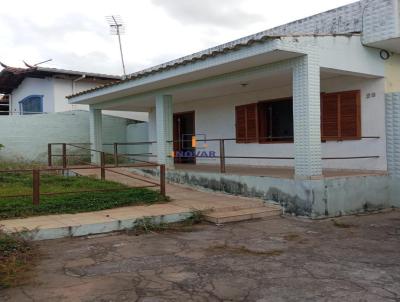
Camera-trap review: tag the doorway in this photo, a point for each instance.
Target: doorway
(184, 130)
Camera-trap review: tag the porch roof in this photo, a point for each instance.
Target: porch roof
(224, 59)
(139, 89)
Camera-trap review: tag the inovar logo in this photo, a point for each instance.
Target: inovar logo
(197, 148)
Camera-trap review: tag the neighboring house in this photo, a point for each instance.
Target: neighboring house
(34, 111)
(36, 90)
(4, 105)
(309, 111)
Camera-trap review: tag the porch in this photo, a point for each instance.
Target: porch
(235, 98)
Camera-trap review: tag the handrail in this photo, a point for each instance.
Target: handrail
(221, 156)
(102, 166)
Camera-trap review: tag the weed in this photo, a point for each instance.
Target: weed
(16, 258)
(153, 225)
(343, 225)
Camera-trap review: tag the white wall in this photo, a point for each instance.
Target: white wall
(26, 136)
(216, 118)
(31, 86)
(63, 88)
(136, 133)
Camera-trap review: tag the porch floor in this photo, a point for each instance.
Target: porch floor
(277, 172)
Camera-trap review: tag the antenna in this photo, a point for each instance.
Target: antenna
(35, 65)
(117, 28)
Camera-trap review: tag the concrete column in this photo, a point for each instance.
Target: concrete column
(96, 133)
(393, 133)
(164, 117)
(306, 118)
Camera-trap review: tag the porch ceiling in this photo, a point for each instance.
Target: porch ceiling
(229, 87)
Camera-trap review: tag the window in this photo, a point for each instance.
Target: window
(272, 121)
(31, 104)
(340, 116)
(246, 124)
(276, 120)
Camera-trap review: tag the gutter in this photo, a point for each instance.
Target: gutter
(75, 81)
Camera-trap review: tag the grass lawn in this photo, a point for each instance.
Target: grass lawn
(21, 183)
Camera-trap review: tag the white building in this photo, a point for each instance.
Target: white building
(307, 114)
(44, 90)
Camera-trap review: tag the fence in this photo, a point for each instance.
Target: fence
(222, 149)
(102, 167)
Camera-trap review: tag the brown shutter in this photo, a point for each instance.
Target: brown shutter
(246, 123)
(251, 116)
(350, 115)
(329, 116)
(240, 124)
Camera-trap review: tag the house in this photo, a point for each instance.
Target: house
(34, 111)
(306, 114)
(36, 89)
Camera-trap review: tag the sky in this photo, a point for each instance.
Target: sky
(76, 36)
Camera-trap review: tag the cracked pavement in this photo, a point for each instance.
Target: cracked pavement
(287, 259)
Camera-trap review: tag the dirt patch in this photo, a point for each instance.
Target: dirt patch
(292, 237)
(243, 250)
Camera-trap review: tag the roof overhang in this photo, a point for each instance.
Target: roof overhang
(257, 55)
(392, 44)
(12, 77)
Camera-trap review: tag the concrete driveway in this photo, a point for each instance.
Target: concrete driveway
(288, 259)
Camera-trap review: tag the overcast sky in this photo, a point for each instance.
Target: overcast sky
(76, 36)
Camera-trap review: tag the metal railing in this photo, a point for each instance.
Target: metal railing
(221, 143)
(84, 165)
(18, 113)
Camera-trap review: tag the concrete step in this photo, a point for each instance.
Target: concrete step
(243, 214)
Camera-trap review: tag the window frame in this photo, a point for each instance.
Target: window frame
(26, 99)
(261, 124)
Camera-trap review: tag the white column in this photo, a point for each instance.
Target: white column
(306, 118)
(164, 117)
(393, 133)
(96, 133)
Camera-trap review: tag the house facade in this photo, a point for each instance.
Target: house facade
(306, 114)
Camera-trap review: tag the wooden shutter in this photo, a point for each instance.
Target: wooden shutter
(329, 116)
(340, 115)
(241, 124)
(246, 123)
(252, 131)
(350, 125)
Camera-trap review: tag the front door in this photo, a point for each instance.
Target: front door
(184, 130)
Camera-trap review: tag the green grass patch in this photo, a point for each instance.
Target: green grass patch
(16, 259)
(21, 183)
